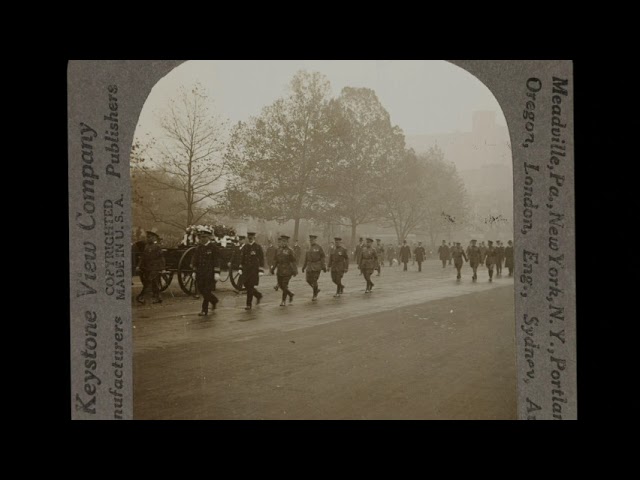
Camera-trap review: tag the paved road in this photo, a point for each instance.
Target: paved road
(422, 345)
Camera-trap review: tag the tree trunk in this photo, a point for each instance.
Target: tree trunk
(353, 233)
(296, 228)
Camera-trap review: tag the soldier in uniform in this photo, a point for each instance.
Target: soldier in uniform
(419, 255)
(368, 262)
(443, 252)
(483, 252)
(151, 266)
(358, 251)
(474, 257)
(380, 253)
(458, 254)
(313, 264)
(450, 249)
(251, 265)
(390, 253)
(508, 257)
(271, 255)
(287, 265)
(491, 259)
(405, 254)
(499, 258)
(339, 265)
(206, 263)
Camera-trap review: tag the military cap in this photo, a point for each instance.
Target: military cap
(473, 240)
(251, 234)
(284, 237)
(369, 239)
(457, 243)
(241, 237)
(490, 242)
(361, 239)
(152, 234)
(337, 239)
(313, 236)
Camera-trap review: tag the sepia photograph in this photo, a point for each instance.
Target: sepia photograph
(322, 240)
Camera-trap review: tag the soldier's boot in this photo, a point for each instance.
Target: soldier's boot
(258, 296)
(490, 275)
(291, 297)
(203, 313)
(341, 289)
(140, 299)
(156, 300)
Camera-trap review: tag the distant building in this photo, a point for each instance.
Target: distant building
(486, 144)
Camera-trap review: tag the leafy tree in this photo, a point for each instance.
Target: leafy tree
(277, 158)
(364, 143)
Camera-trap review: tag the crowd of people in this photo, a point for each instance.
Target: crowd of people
(284, 261)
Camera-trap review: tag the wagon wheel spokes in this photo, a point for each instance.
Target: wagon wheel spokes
(185, 274)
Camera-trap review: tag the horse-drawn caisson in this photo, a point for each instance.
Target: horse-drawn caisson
(178, 259)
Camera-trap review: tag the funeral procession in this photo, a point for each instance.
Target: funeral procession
(323, 252)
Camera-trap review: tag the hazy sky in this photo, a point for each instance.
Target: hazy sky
(422, 97)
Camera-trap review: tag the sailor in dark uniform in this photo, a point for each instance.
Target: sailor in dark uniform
(206, 263)
(251, 266)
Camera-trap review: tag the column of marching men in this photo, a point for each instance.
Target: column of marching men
(283, 261)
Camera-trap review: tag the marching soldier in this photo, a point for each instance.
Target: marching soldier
(483, 252)
(508, 257)
(405, 254)
(205, 261)
(287, 265)
(368, 262)
(457, 253)
(151, 266)
(443, 252)
(391, 254)
(474, 256)
(491, 259)
(499, 258)
(271, 255)
(419, 254)
(251, 265)
(358, 251)
(380, 254)
(313, 264)
(339, 265)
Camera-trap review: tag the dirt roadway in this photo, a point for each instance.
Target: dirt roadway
(422, 346)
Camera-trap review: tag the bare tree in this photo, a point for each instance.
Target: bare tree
(187, 158)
